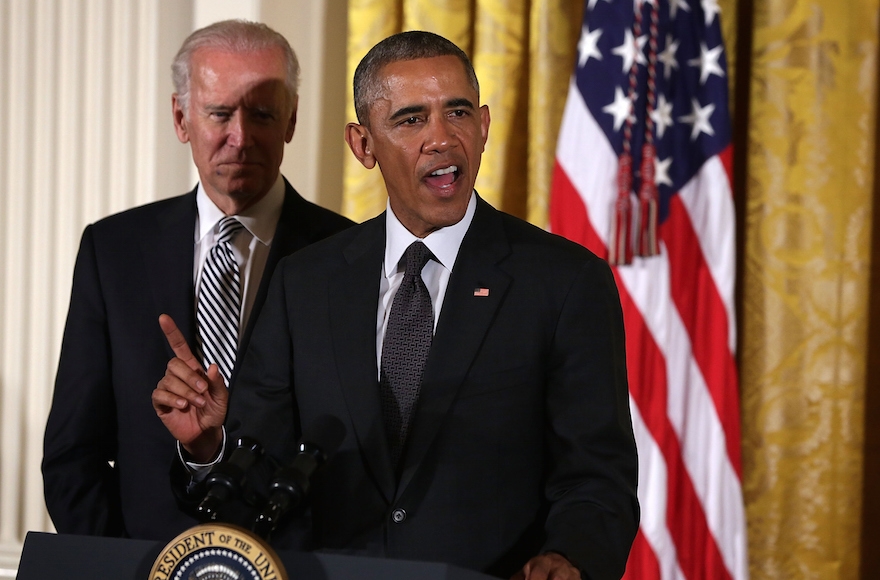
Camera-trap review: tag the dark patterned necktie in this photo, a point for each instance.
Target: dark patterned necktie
(219, 302)
(405, 349)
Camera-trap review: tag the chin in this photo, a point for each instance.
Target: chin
(248, 185)
(449, 218)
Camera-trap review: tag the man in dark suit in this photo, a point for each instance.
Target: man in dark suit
(514, 455)
(106, 456)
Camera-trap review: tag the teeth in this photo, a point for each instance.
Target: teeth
(449, 169)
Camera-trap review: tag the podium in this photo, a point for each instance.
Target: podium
(64, 557)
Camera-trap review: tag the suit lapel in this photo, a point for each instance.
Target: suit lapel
(354, 297)
(291, 234)
(168, 257)
(464, 320)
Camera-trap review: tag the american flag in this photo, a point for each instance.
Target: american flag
(648, 99)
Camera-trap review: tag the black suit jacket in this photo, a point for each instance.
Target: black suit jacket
(522, 439)
(131, 267)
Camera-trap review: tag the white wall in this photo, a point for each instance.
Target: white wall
(85, 131)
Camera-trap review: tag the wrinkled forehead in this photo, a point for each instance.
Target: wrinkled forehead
(257, 75)
(261, 63)
(423, 76)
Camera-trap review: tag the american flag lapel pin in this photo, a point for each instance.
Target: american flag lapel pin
(481, 292)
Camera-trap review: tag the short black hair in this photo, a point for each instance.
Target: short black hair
(411, 45)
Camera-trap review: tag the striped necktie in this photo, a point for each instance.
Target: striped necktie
(219, 301)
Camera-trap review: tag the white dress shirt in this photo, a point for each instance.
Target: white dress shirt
(443, 243)
(250, 246)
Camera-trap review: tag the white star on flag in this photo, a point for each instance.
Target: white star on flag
(620, 108)
(631, 50)
(674, 5)
(662, 115)
(710, 8)
(708, 62)
(592, 3)
(661, 171)
(588, 46)
(699, 118)
(667, 57)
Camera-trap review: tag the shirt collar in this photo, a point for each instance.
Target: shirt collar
(260, 219)
(443, 243)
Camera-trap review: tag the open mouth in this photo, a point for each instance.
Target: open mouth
(443, 177)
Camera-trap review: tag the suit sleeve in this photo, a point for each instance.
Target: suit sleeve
(80, 485)
(592, 475)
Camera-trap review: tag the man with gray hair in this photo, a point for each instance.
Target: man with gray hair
(204, 258)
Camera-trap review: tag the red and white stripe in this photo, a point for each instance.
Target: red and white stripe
(681, 336)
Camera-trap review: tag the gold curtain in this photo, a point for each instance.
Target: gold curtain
(807, 229)
(523, 52)
(806, 283)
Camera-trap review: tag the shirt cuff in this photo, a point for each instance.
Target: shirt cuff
(199, 471)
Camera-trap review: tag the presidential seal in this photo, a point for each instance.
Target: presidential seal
(217, 552)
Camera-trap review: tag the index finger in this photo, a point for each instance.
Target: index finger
(178, 343)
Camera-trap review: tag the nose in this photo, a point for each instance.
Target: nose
(439, 135)
(239, 133)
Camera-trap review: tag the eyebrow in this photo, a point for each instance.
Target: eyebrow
(407, 111)
(459, 103)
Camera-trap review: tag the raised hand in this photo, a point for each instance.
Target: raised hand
(189, 401)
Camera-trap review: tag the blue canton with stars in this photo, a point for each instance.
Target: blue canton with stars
(691, 118)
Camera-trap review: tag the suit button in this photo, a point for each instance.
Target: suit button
(398, 515)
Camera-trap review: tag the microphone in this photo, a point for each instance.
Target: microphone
(225, 479)
(291, 484)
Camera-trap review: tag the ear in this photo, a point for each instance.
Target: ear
(291, 123)
(359, 140)
(179, 117)
(484, 124)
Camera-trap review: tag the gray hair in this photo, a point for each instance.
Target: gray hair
(232, 36)
(411, 45)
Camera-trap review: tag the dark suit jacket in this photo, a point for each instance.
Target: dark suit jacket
(522, 440)
(131, 267)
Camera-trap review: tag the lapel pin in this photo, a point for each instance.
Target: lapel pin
(481, 292)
